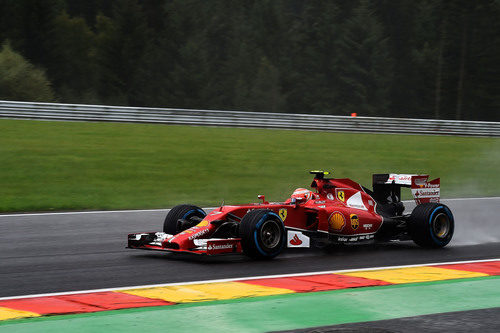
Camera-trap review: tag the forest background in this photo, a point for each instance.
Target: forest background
(405, 58)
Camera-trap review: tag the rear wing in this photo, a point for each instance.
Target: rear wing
(387, 187)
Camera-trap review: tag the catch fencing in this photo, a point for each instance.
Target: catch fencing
(81, 112)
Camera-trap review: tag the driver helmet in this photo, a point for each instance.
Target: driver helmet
(303, 194)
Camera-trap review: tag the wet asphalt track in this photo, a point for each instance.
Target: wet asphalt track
(67, 252)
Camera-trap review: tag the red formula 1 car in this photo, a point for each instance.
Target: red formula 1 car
(337, 211)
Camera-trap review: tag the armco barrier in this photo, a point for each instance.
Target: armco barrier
(81, 112)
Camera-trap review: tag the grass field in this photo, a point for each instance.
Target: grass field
(75, 165)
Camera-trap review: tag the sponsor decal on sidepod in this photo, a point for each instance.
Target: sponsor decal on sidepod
(297, 239)
(336, 221)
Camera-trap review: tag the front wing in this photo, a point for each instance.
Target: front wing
(213, 246)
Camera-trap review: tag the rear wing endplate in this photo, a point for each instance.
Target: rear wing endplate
(422, 190)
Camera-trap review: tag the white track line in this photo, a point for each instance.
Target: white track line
(166, 209)
(91, 212)
(243, 278)
(85, 212)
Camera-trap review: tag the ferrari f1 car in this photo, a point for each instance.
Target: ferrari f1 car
(336, 211)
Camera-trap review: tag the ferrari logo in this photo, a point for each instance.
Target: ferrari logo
(354, 221)
(341, 196)
(283, 213)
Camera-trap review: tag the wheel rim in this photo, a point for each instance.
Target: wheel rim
(270, 234)
(192, 213)
(441, 225)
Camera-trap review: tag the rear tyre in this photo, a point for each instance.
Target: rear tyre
(182, 217)
(262, 234)
(431, 225)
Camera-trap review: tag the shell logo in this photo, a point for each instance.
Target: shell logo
(336, 221)
(203, 223)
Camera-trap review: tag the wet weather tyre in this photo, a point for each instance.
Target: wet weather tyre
(431, 225)
(182, 217)
(262, 234)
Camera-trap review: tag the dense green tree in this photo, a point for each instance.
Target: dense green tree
(310, 78)
(431, 32)
(473, 53)
(364, 64)
(481, 90)
(455, 45)
(123, 43)
(28, 25)
(422, 58)
(265, 94)
(90, 9)
(186, 63)
(20, 80)
(73, 52)
(218, 49)
(398, 19)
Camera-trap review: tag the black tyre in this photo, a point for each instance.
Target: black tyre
(262, 234)
(431, 225)
(182, 217)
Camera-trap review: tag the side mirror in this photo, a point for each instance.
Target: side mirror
(263, 198)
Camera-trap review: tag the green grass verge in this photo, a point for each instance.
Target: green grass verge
(77, 165)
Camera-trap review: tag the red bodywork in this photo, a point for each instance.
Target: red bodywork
(340, 209)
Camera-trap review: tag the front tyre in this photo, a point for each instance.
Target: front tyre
(262, 234)
(431, 225)
(182, 217)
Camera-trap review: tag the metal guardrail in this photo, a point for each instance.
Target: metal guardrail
(81, 112)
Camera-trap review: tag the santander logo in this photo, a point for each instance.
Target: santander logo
(295, 241)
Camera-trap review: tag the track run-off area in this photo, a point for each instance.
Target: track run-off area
(65, 257)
